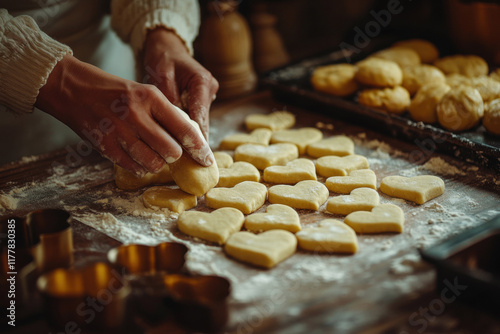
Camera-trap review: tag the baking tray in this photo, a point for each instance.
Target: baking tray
(467, 265)
(291, 84)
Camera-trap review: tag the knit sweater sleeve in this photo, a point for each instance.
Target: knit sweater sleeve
(131, 19)
(27, 56)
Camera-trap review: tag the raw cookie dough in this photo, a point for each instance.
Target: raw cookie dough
(337, 79)
(495, 75)
(172, 199)
(360, 199)
(455, 80)
(336, 145)
(265, 156)
(488, 88)
(363, 178)
(246, 196)
(414, 77)
(223, 159)
(236, 173)
(423, 107)
(379, 73)
(127, 180)
(258, 137)
(460, 109)
(491, 120)
(304, 195)
(274, 121)
(276, 217)
(427, 51)
(215, 226)
(264, 250)
(468, 65)
(402, 56)
(293, 172)
(382, 218)
(418, 189)
(331, 236)
(340, 166)
(393, 100)
(300, 137)
(192, 177)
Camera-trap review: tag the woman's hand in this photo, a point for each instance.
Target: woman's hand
(169, 66)
(132, 124)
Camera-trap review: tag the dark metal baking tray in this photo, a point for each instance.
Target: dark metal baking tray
(292, 84)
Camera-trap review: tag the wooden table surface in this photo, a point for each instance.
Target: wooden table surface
(383, 288)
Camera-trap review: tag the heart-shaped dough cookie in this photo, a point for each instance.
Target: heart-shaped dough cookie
(172, 199)
(246, 196)
(304, 195)
(418, 189)
(293, 172)
(360, 199)
(223, 159)
(264, 250)
(362, 178)
(277, 120)
(257, 137)
(331, 236)
(300, 137)
(276, 217)
(382, 218)
(238, 172)
(265, 156)
(337, 145)
(215, 226)
(340, 166)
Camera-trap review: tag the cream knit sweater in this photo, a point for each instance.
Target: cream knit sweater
(28, 55)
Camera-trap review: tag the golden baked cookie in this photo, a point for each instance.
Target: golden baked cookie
(338, 79)
(495, 75)
(400, 55)
(427, 51)
(394, 100)
(415, 77)
(468, 65)
(460, 109)
(487, 87)
(491, 120)
(379, 73)
(455, 80)
(423, 106)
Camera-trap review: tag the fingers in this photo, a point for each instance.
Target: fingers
(113, 151)
(165, 81)
(142, 154)
(201, 92)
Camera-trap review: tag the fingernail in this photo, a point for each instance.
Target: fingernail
(210, 159)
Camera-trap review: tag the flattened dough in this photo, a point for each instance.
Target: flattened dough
(127, 180)
(331, 236)
(418, 189)
(215, 226)
(259, 136)
(263, 250)
(246, 196)
(274, 121)
(304, 195)
(192, 177)
(300, 137)
(336, 145)
(363, 178)
(276, 217)
(382, 218)
(360, 199)
(340, 166)
(265, 156)
(236, 173)
(294, 171)
(172, 199)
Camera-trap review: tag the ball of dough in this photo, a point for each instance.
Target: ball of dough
(460, 109)
(495, 75)
(400, 55)
(491, 120)
(423, 106)
(338, 79)
(427, 51)
(455, 80)
(415, 77)
(487, 87)
(470, 66)
(192, 177)
(379, 73)
(394, 100)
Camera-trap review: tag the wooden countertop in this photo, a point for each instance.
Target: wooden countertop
(383, 288)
